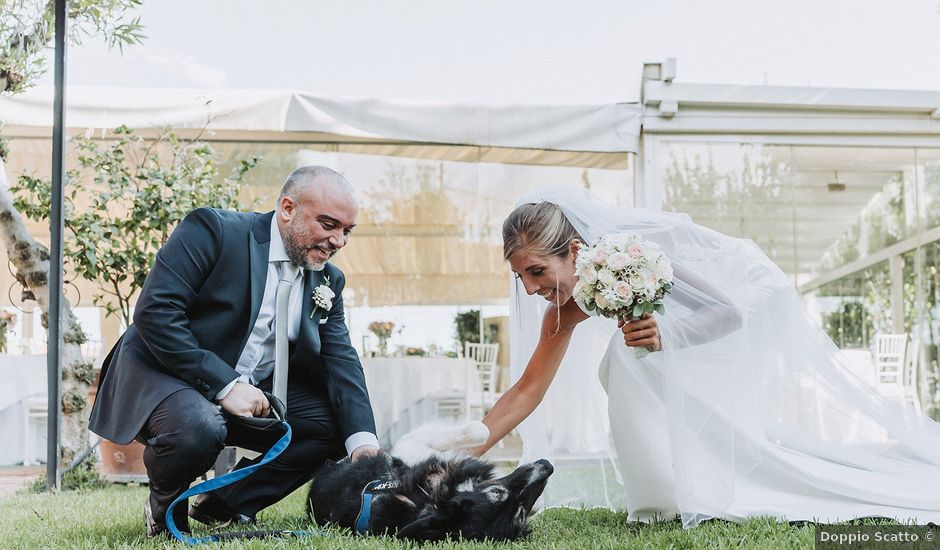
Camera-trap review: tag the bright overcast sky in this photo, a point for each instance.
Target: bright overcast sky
(577, 51)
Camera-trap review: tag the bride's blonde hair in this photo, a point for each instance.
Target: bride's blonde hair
(541, 228)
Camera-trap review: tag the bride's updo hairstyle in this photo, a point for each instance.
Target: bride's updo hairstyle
(541, 228)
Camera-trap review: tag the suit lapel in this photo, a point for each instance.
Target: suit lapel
(259, 244)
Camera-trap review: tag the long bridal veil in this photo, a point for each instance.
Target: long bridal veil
(748, 381)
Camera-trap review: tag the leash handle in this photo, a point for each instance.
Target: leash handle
(222, 481)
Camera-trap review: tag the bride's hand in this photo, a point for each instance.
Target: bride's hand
(643, 332)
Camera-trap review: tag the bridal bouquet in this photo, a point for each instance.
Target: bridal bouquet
(622, 276)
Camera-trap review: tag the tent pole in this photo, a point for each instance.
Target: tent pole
(53, 353)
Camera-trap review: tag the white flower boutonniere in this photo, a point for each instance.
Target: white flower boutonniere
(323, 297)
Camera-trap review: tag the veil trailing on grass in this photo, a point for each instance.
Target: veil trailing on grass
(750, 392)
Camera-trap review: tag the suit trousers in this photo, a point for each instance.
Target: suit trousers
(185, 434)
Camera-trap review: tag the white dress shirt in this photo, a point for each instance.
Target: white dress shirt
(256, 361)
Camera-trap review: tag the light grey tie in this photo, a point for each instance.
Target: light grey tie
(288, 273)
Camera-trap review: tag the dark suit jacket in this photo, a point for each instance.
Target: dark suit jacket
(193, 318)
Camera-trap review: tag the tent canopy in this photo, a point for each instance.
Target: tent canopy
(562, 135)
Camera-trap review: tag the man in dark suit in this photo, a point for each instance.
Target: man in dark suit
(202, 342)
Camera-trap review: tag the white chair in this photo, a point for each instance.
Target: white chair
(450, 405)
(890, 356)
(911, 380)
(484, 356)
(35, 407)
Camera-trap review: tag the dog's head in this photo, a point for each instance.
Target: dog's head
(467, 502)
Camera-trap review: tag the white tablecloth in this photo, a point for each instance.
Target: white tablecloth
(399, 387)
(21, 376)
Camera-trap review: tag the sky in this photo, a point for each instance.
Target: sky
(583, 51)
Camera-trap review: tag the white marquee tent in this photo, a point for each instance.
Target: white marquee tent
(528, 132)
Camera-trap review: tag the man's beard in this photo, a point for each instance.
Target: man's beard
(298, 253)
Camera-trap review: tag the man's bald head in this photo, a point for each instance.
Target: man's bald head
(308, 178)
(316, 212)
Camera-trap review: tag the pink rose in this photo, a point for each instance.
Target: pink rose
(624, 291)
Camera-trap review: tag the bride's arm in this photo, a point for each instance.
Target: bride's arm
(526, 394)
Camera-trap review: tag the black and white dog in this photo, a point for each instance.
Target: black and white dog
(428, 497)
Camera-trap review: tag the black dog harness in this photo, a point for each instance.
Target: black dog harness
(368, 495)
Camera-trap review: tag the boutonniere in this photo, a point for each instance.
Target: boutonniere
(323, 297)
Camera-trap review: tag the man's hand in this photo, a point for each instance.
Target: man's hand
(363, 451)
(245, 400)
(644, 332)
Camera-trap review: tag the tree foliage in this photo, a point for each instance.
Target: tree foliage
(123, 201)
(27, 28)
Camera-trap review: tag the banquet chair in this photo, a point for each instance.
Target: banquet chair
(890, 354)
(450, 405)
(910, 379)
(35, 407)
(484, 358)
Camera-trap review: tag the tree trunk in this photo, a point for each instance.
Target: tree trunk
(30, 261)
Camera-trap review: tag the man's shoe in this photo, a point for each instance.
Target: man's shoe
(157, 527)
(212, 511)
(153, 528)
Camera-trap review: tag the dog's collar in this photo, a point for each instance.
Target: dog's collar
(368, 495)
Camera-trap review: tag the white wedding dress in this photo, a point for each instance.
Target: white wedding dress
(750, 409)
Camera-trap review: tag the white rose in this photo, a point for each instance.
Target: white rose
(617, 261)
(326, 292)
(587, 296)
(663, 271)
(588, 275)
(600, 256)
(578, 288)
(601, 301)
(606, 277)
(636, 282)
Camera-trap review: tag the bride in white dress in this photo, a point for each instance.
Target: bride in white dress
(743, 408)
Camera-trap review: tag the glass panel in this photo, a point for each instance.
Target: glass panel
(428, 245)
(738, 189)
(929, 178)
(931, 332)
(852, 309)
(812, 209)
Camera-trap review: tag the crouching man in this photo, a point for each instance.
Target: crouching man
(203, 343)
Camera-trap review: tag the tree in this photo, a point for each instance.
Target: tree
(26, 29)
(141, 190)
(467, 329)
(25, 33)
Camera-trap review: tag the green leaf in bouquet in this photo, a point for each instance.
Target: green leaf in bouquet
(638, 310)
(659, 308)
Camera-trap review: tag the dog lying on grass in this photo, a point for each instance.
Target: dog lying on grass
(430, 492)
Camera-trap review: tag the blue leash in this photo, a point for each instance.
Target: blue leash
(228, 479)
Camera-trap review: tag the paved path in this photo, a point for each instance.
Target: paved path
(14, 478)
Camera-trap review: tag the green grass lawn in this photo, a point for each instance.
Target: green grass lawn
(113, 518)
